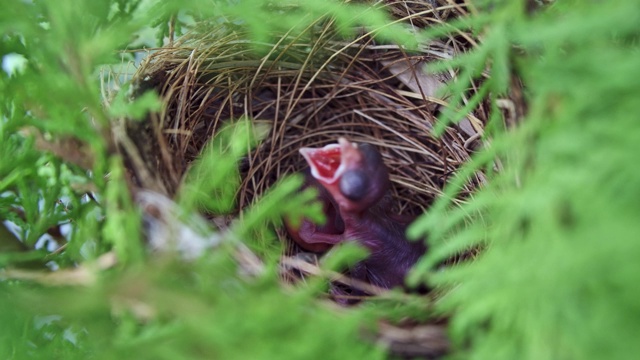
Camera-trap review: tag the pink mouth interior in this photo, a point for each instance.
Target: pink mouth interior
(324, 162)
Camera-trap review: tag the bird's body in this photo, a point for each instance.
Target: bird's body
(391, 254)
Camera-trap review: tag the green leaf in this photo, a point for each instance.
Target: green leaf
(136, 109)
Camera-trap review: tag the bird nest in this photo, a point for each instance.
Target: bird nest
(307, 89)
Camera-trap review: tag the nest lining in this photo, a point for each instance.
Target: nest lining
(349, 99)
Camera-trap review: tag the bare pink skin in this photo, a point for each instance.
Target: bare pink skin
(353, 180)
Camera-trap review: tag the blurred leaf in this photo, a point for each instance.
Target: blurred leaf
(343, 256)
(136, 109)
(122, 220)
(213, 180)
(556, 226)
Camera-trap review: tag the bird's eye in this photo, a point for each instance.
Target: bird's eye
(354, 184)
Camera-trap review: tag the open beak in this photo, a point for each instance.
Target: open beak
(331, 161)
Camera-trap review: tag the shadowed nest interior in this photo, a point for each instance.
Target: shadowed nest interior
(307, 88)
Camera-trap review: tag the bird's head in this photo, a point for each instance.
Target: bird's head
(354, 174)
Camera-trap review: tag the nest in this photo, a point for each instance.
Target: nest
(307, 89)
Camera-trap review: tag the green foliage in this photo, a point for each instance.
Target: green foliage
(36, 193)
(134, 109)
(342, 257)
(558, 225)
(214, 178)
(265, 18)
(122, 225)
(282, 200)
(189, 311)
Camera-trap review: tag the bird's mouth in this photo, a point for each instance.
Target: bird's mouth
(328, 163)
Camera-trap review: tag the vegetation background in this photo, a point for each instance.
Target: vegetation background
(558, 277)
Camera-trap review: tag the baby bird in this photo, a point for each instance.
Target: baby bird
(352, 181)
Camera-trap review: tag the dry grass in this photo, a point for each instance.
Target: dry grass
(307, 90)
